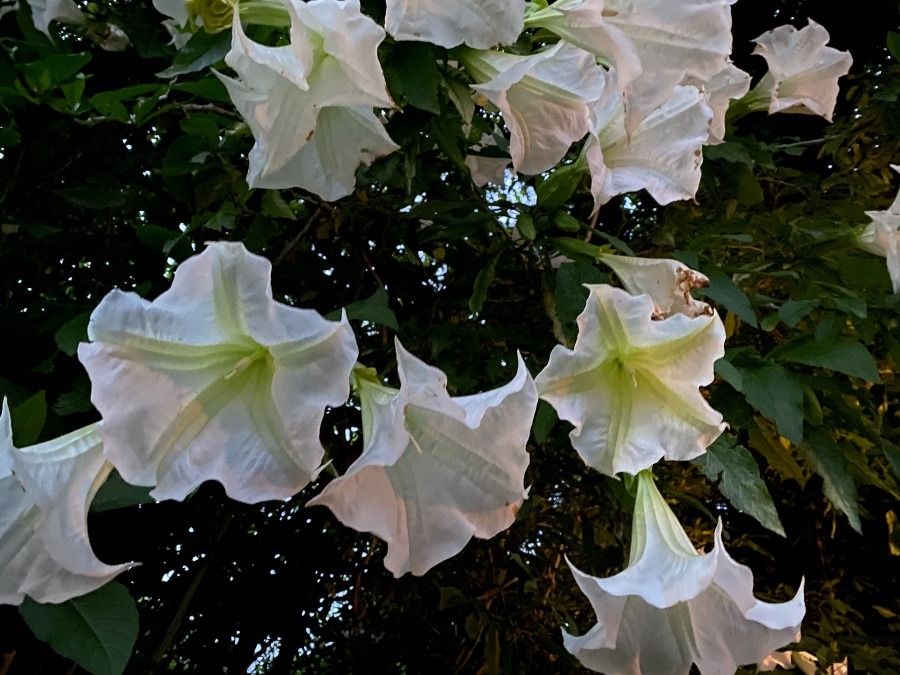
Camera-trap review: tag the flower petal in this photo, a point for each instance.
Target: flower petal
(674, 40)
(882, 237)
(730, 83)
(45, 11)
(345, 138)
(668, 282)
(478, 23)
(583, 23)
(543, 99)
(663, 154)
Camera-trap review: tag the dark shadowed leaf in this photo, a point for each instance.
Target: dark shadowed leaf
(97, 631)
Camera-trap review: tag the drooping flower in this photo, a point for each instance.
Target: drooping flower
(435, 470)
(672, 607)
(584, 24)
(45, 11)
(803, 71)
(45, 492)
(668, 282)
(631, 384)
(674, 41)
(662, 155)
(215, 380)
(309, 104)
(543, 97)
(481, 24)
(728, 84)
(882, 236)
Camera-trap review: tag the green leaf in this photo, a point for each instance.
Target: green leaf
(9, 137)
(779, 457)
(202, 126)
(729, 151)
(577, 249)
(773, 391)
(374, 308)
(749, 191)
(834, 353)
(77, 400)
(115, 493)
(28, 420)
(109, 103)
(525, 225)
(571, 295)
(725, 292)
(275, 206)
(223, 219)
(412, 74)
(566, 222)
(892, 452)
(200, 52)
(793, 311)
(482, 281)
(52, 70)
(828, 461)
(555, 190)
(210, 88)
(97, 631)
(448, 142)
(460, 96)
(741, 482)
(262, 229)
(159, 238)
(544, 420)
(893, 44)
(72, 333)
(93, 196)
(724, 369)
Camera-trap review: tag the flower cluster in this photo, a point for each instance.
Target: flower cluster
(630, 387)
(647, 82)
(216, 380)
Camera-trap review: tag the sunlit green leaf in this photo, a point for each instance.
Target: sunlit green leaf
(776, 394)
(829, 462)
(741, 482)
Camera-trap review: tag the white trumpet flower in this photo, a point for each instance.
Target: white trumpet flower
(435, 470)
(45, 492)
(215, 380)
(631, 384)
(803, 70)
(672, 607)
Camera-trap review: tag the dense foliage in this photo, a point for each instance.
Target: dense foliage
(116, 166)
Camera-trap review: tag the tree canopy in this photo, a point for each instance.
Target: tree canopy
(120, 161)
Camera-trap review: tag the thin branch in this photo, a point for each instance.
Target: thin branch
(178, 617)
